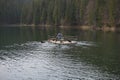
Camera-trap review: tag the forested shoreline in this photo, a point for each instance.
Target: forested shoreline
(97, 13)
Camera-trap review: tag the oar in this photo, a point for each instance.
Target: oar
(42, 41)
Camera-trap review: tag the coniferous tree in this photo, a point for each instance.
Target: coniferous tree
(63, 12)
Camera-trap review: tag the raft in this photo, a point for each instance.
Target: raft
(62, 41)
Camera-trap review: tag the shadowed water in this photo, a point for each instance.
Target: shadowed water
(29, 59)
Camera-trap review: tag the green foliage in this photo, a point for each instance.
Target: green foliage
(70, 12)
(111, 9)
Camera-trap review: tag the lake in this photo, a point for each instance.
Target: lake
(95, 56)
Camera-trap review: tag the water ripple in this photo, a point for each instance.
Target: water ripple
(46, 61)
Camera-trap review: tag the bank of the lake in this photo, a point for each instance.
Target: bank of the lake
(82, 27)
(104, 28)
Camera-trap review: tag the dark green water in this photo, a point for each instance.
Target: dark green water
(95, 56)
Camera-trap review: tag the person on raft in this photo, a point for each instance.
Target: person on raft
(60, 37)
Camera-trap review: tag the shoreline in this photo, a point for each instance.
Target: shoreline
(104, 28)
(83, 27)
(20, 25)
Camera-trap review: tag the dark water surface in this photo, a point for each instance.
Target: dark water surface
(96, 56)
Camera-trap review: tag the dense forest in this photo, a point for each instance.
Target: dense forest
(61, 12)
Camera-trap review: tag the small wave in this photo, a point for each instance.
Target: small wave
(21, 50)
(85, 43)
(23, 46)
